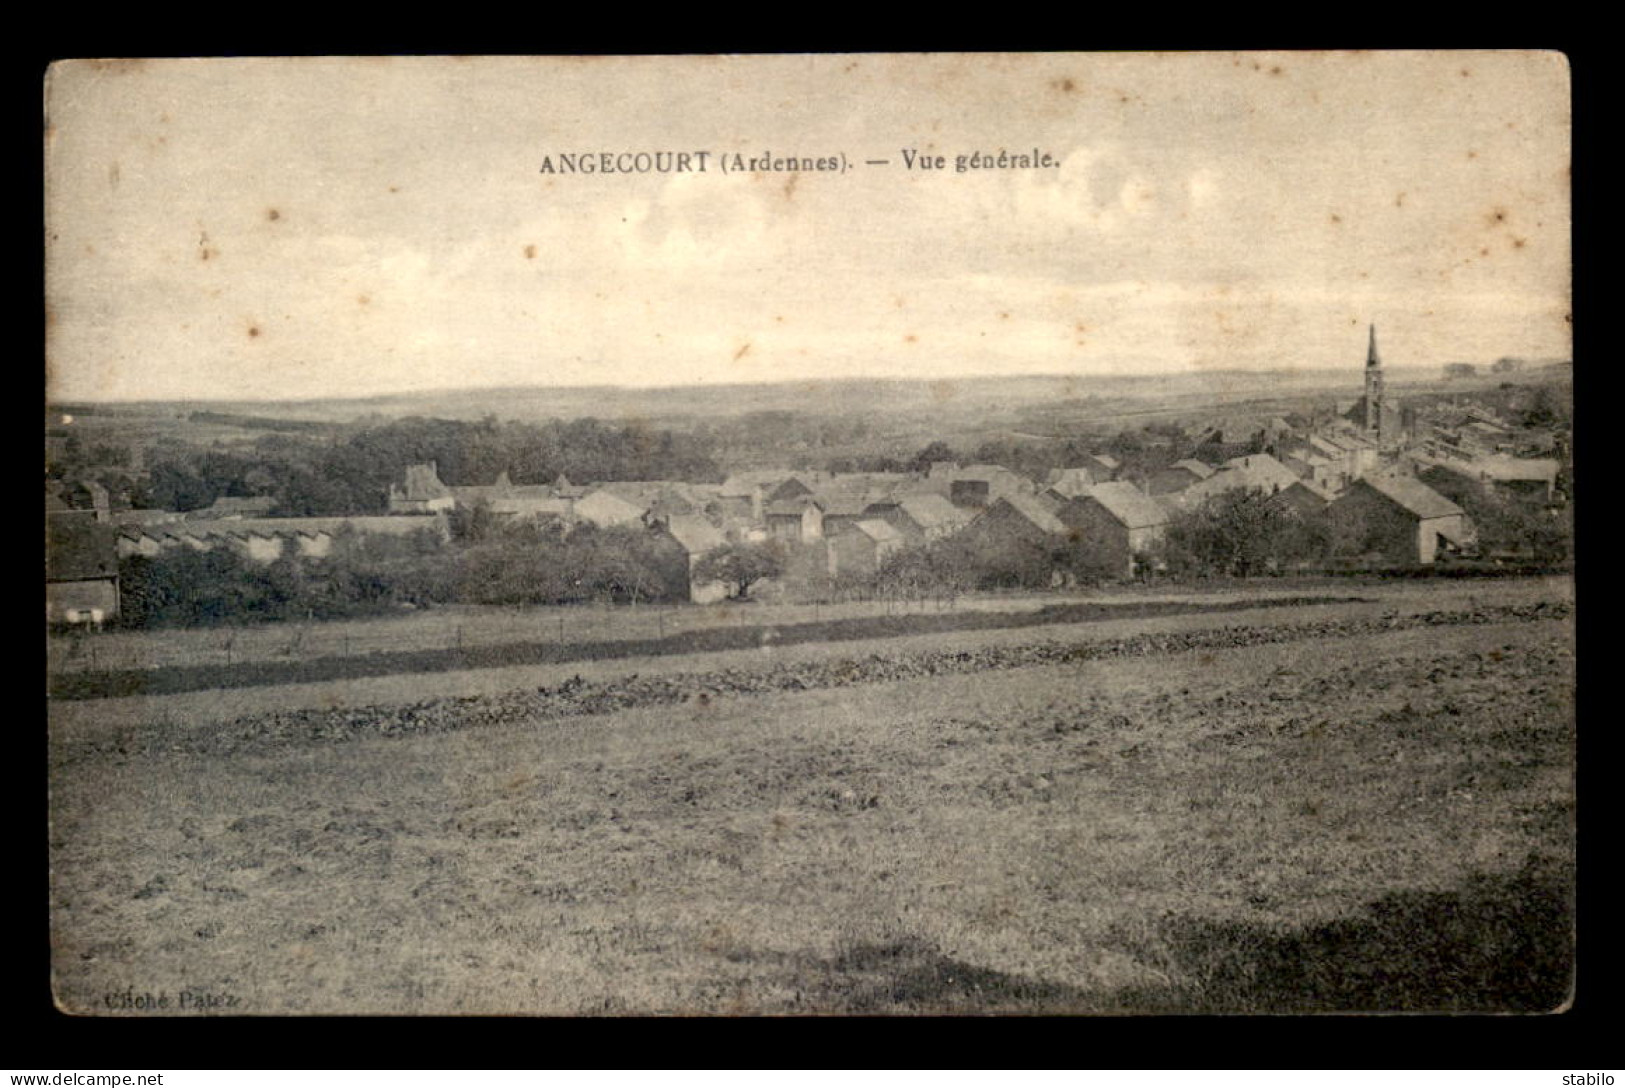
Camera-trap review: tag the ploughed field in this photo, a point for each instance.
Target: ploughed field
(1284, 810)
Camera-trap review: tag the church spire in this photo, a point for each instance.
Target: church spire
(1373, 389)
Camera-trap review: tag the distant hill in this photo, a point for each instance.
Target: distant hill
(716, 401)
(967, 410)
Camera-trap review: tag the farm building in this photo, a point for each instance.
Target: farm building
(1266, 472)
(861, 547)
(798, 520)
(923, 518)
(848, 499)
(422, 492)
(81, 571)
(744, 494)
(1119, 519)
(975, 486)
(1526, 477)
(1303, 499)
(1233, 477)
(1014, 521)
(1071, 482)
(522, 501)
(605, 508)
(692, 537)
(1397, 519)
(264, 540)
(1177, 477)
(1317, 468)
(85, 500)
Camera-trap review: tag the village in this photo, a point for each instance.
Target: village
(1373, 484)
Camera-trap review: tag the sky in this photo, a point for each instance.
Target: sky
(328, 227)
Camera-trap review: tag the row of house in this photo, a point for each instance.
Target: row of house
(264, 540)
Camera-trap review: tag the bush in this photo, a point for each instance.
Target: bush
(1239, 533)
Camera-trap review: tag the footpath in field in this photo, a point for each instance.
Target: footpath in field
(174, 679)
(578, 697)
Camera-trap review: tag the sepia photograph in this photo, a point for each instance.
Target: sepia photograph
(832, 535)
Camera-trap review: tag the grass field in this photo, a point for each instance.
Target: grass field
(471, 627)
(1376, 821)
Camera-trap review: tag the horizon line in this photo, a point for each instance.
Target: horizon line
(764, 382)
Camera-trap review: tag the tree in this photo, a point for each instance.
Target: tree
(936, 451)
(1240, 532)
(1545, 409)
(740, 566)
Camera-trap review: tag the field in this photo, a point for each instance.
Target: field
(1357, 806)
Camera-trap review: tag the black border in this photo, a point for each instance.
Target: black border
(46, 1040)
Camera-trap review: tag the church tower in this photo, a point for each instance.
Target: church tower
(1373, 388)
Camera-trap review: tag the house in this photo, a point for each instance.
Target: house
(422, 492)
(1177, 476)
(1397, 519)
(564, 489)
(1235, 476)
(661, 498)
(505, 499)
(744, 494)
(264, 540)
(1530, 477)
(1071, 482)
(81, 571)
(1014, 520)
(975, 486)
(862, 547)
(85, 499)
(1120, 520)
(693, 537)
(924, 518)
(1303, 499)
(605, 508)
(798, 520)
(1307, 464)
(1268, 474)
(852, 497)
